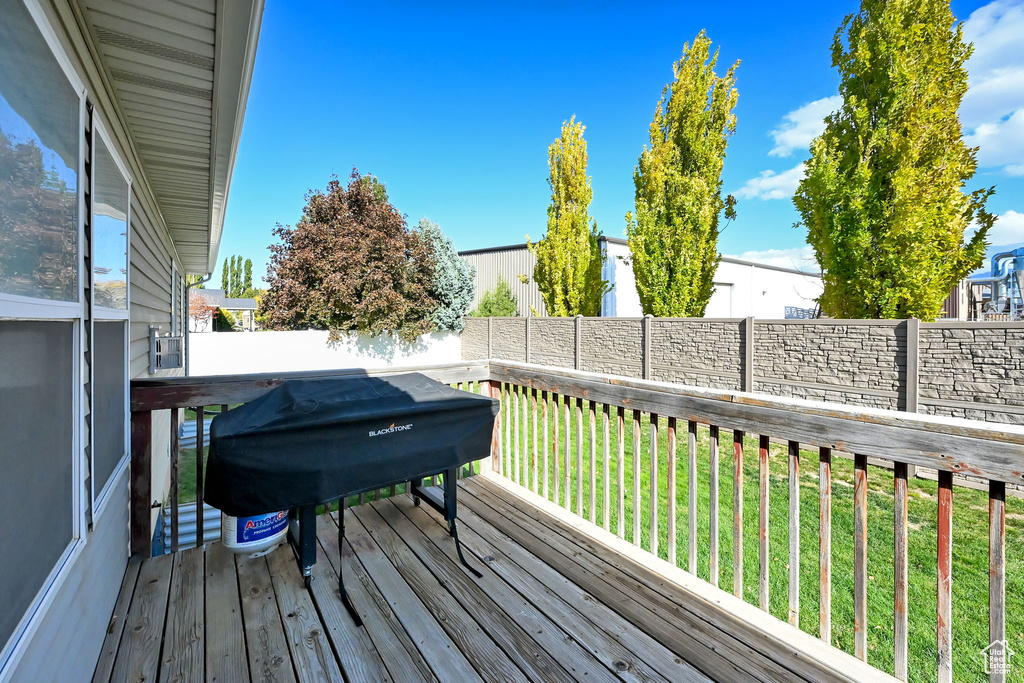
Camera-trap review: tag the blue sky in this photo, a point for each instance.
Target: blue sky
(453, 107)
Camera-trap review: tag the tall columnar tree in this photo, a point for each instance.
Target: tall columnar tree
(225, 275)
(569, 257)
(351, 263)
(883, 199)
(236, 276)
(673, 238)
(247, 279)
(452, 283)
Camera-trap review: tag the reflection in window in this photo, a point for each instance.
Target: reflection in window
(39, 161)
(110, 232)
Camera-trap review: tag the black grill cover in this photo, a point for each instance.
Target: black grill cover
(310, 441)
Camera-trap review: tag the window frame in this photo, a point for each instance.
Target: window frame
(25, 308)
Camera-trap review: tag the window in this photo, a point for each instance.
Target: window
(109, 239)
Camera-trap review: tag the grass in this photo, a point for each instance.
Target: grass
(970, 536)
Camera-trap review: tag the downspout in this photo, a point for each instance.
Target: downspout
(188, 317)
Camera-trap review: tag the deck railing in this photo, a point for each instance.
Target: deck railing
(619, 452)
(203, 396)
(575, 437)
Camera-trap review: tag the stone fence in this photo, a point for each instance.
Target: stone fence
(973, 370)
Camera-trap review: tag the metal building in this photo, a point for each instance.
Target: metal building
(742, 288)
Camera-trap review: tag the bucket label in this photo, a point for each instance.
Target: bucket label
(257, 528)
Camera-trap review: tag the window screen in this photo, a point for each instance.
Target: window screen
(109, 418)
(36, 451)
(39, 160)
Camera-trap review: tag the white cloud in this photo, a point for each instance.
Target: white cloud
(800, 126)
(992, 111)
(1007, 230)
(799, 258)
(772, 185)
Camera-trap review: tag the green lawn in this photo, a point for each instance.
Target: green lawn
(970, 539)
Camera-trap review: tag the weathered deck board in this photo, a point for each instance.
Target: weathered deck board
(267, 649)
(225, 639)
(605, 633)
(553, 603)
(138, 658)
(184, 633)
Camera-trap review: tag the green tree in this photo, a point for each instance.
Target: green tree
(499, 302)
(883, 200)
(569, 257)
(225, 275)
(223, 321)
(673, 238)
(351, 263)
(247, 279)
(452, 279)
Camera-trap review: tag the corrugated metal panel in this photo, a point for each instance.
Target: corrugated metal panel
(509, 263)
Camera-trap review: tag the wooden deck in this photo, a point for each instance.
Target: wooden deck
(554, 604)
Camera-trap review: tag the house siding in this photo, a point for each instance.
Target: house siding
(77, 610)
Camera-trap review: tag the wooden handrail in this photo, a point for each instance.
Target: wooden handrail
(943, 443)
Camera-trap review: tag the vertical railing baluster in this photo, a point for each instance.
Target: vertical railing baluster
(517, 473)
(654, 484)
(200, 488)
(593, 462)
(556, 454)
(825, 544)
(997, 569)
(899, 479)
(506, 460)
(860, 556)
(713, 506)
(544, 398)
(671, 485)
(493, 389)
(524, 454)
(175, 455)
(944, 625)
(691, 476)
(762, 521)
(637, 506)
(620, 471)
(794, 533)
(533, 444)
(579, 457)
(737, 513)
(567, 473)
(606, 468)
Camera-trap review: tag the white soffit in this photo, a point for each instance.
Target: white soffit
(181, 70)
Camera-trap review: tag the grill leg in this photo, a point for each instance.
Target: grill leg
(412, 487)
(307, 541)
(451, 495)
(341, 582)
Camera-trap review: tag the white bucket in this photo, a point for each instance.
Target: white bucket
(256, 535)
